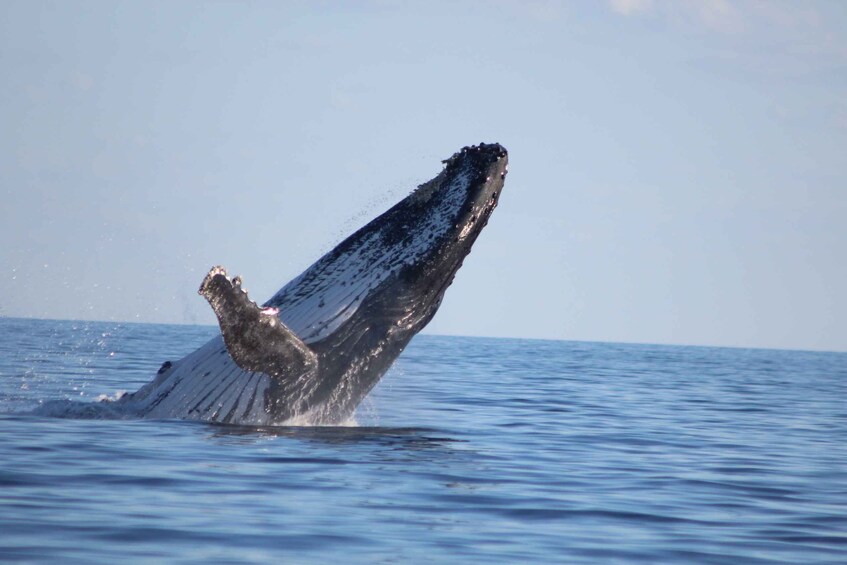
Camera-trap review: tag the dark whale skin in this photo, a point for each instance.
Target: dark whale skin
(313, 351)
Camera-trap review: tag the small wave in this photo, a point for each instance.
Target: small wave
(75, 409)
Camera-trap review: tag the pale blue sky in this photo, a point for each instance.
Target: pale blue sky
(677, 169)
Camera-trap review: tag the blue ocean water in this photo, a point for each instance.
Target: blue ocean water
(470, 450)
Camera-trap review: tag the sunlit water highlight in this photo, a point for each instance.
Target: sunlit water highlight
(470, 450)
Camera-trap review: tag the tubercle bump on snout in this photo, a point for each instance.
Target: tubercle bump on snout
(496, 150)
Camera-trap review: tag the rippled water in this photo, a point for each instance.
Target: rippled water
(470, 450)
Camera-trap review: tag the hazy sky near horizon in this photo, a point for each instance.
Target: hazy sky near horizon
(677, 168)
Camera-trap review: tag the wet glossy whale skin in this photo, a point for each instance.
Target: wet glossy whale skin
(355, 309)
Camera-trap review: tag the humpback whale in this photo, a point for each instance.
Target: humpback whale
(312, 352)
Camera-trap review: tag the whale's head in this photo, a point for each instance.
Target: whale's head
(402, 261)
(446, 214)
(437, 225)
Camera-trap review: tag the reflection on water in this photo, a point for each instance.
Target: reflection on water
(404, 438)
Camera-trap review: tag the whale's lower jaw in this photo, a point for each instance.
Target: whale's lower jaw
(343, 322)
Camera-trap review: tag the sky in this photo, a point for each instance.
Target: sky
(677, 168)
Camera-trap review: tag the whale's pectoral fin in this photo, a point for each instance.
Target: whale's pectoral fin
(255, 337)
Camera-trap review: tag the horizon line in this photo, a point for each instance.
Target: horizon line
(425, 333)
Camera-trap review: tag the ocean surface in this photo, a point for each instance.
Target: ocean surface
(469, 451)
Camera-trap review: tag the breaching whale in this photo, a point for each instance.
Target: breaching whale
(313, 351)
